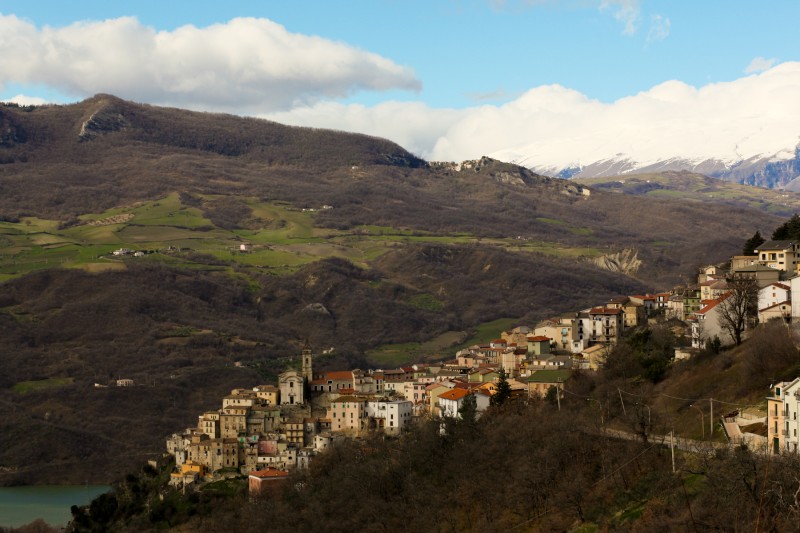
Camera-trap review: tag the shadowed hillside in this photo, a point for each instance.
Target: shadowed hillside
(177, 333)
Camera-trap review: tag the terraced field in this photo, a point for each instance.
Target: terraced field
(170, 232)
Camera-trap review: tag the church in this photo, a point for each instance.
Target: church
(293, 384)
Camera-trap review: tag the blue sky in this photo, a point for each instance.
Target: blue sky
(439, 56)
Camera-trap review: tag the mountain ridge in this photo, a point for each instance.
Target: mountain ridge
(776, 171)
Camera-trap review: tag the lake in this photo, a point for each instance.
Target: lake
(22, 505)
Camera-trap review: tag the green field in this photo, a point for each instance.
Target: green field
(444, 346)
(41, 384)
(394, 355)
(182, 235)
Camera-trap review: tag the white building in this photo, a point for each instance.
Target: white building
(291, 384)
(451, 401)
(707, 324)
(783, 423)
(794, 284)
(391, 415)
(773, 294)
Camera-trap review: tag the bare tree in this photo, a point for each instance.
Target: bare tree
(739, 307)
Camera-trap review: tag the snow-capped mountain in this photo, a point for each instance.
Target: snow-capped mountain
(781, 171)
(746, 130)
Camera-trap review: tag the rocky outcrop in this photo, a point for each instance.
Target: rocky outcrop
(317, 308)
(102, 122)
(625, 262)
(509, 174)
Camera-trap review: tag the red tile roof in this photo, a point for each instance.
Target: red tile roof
(539, 338)
(787, 303)
(604, 311)
(711, 304)
(339, 374)
(269, 473)
(780, 285)
(454, 394)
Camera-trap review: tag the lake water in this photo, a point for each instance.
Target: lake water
(22, 505)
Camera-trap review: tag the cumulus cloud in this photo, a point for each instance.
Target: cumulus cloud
(246, 64)
(759, 64)
(414, 125)
(553, 127)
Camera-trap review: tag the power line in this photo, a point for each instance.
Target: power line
(688, 399)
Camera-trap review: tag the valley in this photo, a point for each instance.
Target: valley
(191, 254)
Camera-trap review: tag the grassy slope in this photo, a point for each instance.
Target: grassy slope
(286, 240)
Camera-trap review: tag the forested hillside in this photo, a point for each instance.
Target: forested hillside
(354, 244)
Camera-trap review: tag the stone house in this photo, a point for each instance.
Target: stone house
(606, 325)
(348, 415)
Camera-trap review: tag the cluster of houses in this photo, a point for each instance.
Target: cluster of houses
(270, 429)
(775, 269)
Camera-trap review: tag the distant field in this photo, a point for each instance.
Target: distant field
(393, 355)
(287, 240)
(445, 345)
(41, 384)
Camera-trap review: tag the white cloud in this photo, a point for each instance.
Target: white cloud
(759, 64)
(413, 125)
(22, 99)
(554, 127)
(626, 11)
(659, 28)
(243, 65)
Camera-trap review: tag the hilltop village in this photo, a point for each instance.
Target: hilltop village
(266, 431)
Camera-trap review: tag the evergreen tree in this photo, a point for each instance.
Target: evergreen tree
(468, 412)
(752, 244)
(789, 230)
(503, 392)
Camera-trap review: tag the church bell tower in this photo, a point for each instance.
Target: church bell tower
(308, 374)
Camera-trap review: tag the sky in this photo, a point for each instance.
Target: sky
(548, 82)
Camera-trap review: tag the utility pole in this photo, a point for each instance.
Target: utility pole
(702, 420)
(672, 448)
(558, 395)
(711, 417)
